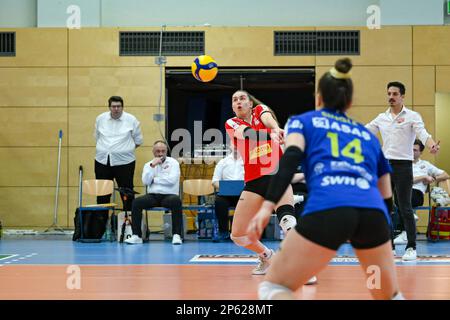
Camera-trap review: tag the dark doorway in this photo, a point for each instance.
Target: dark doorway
(287, 91)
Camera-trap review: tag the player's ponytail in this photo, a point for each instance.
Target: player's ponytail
(336, 85)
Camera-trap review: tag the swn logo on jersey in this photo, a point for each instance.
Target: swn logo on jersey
(260, 151)
(345, 180)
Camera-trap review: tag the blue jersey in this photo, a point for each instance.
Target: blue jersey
(342, 162)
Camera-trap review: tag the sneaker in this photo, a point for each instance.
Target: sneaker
(134, 239)
(313, 280)
(401, 238)
(263, 264)
(176, 239)
(287, 223)
(298, 198)
(410, 255)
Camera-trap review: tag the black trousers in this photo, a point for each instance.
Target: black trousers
(124, 177)
(402, 182)
(416, 201)
(171, 201)
(221, 204)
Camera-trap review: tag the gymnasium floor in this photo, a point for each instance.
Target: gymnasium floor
(44, 269)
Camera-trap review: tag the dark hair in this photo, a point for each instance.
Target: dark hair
(420, 144)
(115, 99)
(336, 91)
(398, 85)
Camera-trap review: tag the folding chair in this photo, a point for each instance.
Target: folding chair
(94, 187)
(206, 219)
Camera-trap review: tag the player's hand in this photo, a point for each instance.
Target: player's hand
(428, 179)
(277, 135)
(260, 221)
(435, 148)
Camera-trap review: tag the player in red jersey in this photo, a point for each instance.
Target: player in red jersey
(256, 135)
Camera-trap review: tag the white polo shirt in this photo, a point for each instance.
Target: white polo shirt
(117, 138)
(164, 178)
(229, 169)
(399, 132)
(424, 168)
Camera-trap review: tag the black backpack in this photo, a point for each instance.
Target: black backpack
(94, 224)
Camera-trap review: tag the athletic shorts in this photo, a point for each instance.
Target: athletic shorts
(365, 228)
(258, 186)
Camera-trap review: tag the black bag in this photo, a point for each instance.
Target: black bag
(94, 224)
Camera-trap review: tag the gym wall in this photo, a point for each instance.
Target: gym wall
(61, 79)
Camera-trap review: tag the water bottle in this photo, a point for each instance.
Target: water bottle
(108, 230)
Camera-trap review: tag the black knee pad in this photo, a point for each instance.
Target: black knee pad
(284, 210)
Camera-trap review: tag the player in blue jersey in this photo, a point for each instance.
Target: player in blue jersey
(348, 178)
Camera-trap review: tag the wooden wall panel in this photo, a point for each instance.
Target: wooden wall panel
(388, 46)
(38, 47)
(33, 127)
(92, 87)
(22, 207)
(33, 87)
(32, 167)
(431, 45)
(370, 83)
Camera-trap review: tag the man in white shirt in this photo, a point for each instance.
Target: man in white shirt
(117, 135)
(424, 174)
(399, 127)
(229, 168)
(161, 176)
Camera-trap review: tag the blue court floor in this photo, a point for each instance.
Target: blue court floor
(56, 252)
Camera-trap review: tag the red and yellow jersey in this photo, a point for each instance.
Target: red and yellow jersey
(260, 157)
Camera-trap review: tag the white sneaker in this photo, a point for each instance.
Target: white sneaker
(298, 198)
(263, 264)
(134, 239)
(287, 223)
(313, 280)
(176, 239)
(401, 238)
(410, 255)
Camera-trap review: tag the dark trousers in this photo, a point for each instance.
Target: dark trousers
(221, 205)
(170, 201)
(124, 177)
(402, 182)
(416, 201)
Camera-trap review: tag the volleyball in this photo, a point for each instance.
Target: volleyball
(204, 68)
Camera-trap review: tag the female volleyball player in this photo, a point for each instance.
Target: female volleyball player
(256, 135)
(348, 177)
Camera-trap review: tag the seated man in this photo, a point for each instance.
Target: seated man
(424, 174)
(229, 168)
(162, 179)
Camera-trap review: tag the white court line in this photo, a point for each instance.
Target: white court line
(9, 256)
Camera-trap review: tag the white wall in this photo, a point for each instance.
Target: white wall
(136, 13)
(52, 13)
(411, 12)
(17, 13)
